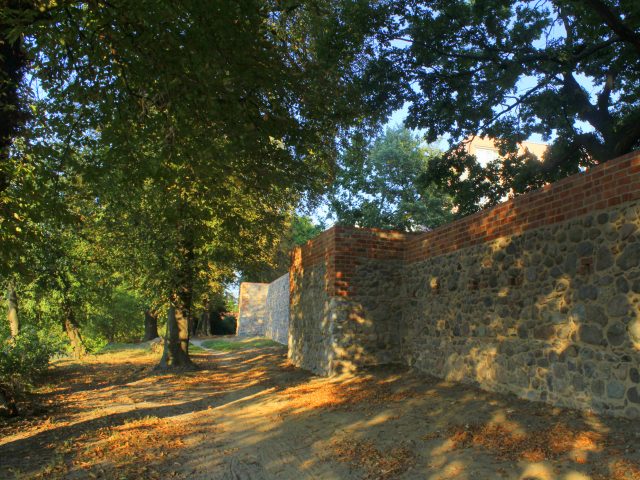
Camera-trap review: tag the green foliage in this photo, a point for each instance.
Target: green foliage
(302, 230)
(469, 185)
(562, 69)
(377, 185)
(297, 231)
(231, 303)
(119, 319)
(226, 326)
(104, 308)
(24, 358)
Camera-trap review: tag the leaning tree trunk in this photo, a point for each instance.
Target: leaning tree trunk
(12, 313)
(13, 63)
(193, 326)
(150, 325)
(205, 326)
(176, 342)
(73, 332)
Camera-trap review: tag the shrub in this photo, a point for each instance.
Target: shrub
(24, 358)
(226, 326)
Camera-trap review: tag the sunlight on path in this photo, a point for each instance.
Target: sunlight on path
(248, 414)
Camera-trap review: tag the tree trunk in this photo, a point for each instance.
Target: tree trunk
(193, 326)
(12, 313)
(13, 62)
(150, 325)
(176, 342)
(205, 326)
(73, 332)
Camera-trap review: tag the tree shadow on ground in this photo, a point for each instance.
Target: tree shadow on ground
(128, 392)
(248, 414)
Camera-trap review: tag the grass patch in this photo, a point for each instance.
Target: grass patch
(193, 348)
(227, 345)
(136, 348)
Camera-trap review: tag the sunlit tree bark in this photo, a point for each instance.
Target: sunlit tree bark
(73, 333)
(12, 313)
(150, 325)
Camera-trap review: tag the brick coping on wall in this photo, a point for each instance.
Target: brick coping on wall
(606, 185)
(602, 186)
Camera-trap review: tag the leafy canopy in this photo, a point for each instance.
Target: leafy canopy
(298, 230)
(377, 185)
(566, 70)
(200, 105)
(190, 131)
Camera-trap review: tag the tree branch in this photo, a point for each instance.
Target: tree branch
(628, 135)
(586, 111)
(613, 21)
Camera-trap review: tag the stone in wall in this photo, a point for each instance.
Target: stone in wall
(552, 314)
(252, 309)
(277, 310)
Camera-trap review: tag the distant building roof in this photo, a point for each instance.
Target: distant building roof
(486, 150)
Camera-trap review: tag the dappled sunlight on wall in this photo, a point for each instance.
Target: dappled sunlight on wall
(539, 296)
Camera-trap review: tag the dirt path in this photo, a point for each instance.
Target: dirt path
(247, 414)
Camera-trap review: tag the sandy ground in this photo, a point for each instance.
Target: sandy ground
(247, 414)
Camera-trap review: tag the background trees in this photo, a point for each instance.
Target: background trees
(297, 230)
(193, 130)
(377, 185)
(567, 71)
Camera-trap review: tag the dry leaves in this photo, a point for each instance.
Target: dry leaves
(328, 394)
(546, 444)
(377, 464)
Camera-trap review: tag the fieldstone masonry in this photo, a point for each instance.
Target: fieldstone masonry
(264, 309)
(277, 314)
(550, 315)
(539, 296)
(252, 306)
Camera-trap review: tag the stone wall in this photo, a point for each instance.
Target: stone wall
(551, 314)
(539, 296)
(277, 310)
(345, 300)
(252, 309)
(264, 309)
(311, 293)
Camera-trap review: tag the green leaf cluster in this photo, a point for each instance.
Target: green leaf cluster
(564, 70)
(377, 185)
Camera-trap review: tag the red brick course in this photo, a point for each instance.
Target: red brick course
(603, 186)
(342, 248)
